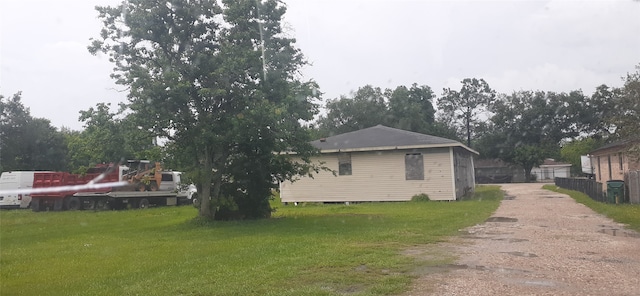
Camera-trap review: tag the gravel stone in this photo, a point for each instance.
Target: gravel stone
(538, 242)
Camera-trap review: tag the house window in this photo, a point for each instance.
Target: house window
(413, 166)
(620, 160)
(609, 161)
(344, 164)
(599, 172)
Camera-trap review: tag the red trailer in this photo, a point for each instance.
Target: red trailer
(64, 198)
(142, 184)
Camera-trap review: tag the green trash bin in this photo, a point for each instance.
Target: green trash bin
(615, 191)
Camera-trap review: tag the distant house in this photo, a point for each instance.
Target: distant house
(613, 161)
(497, 171)
(551, 169)
(385, 164)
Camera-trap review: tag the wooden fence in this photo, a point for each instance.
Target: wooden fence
(587, 186)
(595, 190)
(632, 182)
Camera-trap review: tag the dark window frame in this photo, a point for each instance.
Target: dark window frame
(620, 160)
(413, 166)
(344, 164)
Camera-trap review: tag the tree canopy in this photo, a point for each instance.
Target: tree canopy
(26, 142)
(219, 80)
(109, 137)
(408, 108)
(625, 114)
(464, 107)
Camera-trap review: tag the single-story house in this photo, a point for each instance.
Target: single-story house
(619, 161)
(551, 169)
(385, 164)
(613, 161)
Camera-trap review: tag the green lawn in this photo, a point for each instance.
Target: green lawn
(305, 250)
(623, 213)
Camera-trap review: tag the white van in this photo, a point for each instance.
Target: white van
(11, 181)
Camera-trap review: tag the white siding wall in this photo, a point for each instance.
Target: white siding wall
(551, 172)
(377, 176)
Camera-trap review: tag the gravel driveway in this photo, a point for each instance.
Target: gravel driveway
(538, 242)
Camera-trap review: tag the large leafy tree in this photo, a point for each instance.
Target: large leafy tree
(571, 152)
(464, 108)
(367, 107)
(220, 80)
(109, 137)
(408, 108)
(593, 113)
(529, 126)
(412, 108)
(625, 114)
(28, 143)
(528, 156)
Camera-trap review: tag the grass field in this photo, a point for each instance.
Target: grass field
(303, 250)
(623, 213)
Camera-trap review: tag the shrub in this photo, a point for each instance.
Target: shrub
(420, 197)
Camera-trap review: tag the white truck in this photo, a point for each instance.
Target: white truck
(587, 167)
(13, 181)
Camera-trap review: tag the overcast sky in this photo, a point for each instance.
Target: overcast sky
(547, 45)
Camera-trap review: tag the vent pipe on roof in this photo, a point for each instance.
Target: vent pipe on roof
(323, 140)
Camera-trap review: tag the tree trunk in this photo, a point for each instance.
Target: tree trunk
(215, 194)
(206, 179)
(469, 132)
(527, 174)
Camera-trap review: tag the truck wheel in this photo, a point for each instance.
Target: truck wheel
(58, 205)
(73, 203)
(35, 205)
(144, 204)
(195, 201)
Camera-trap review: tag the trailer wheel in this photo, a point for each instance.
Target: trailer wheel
(89, 205)
(144, 203)
(73, 203)
(117, 204)
(133, 203)
(101, 204)
(58, 205)
(35, 205)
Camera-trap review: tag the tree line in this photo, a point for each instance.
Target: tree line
(523, 127)
(219, 81)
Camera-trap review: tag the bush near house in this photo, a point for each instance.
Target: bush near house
(420, 197)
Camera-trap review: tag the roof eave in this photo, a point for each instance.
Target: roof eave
(386, 148)
(616, 147)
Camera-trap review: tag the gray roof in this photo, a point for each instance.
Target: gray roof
(619, 145)
(381, 137)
